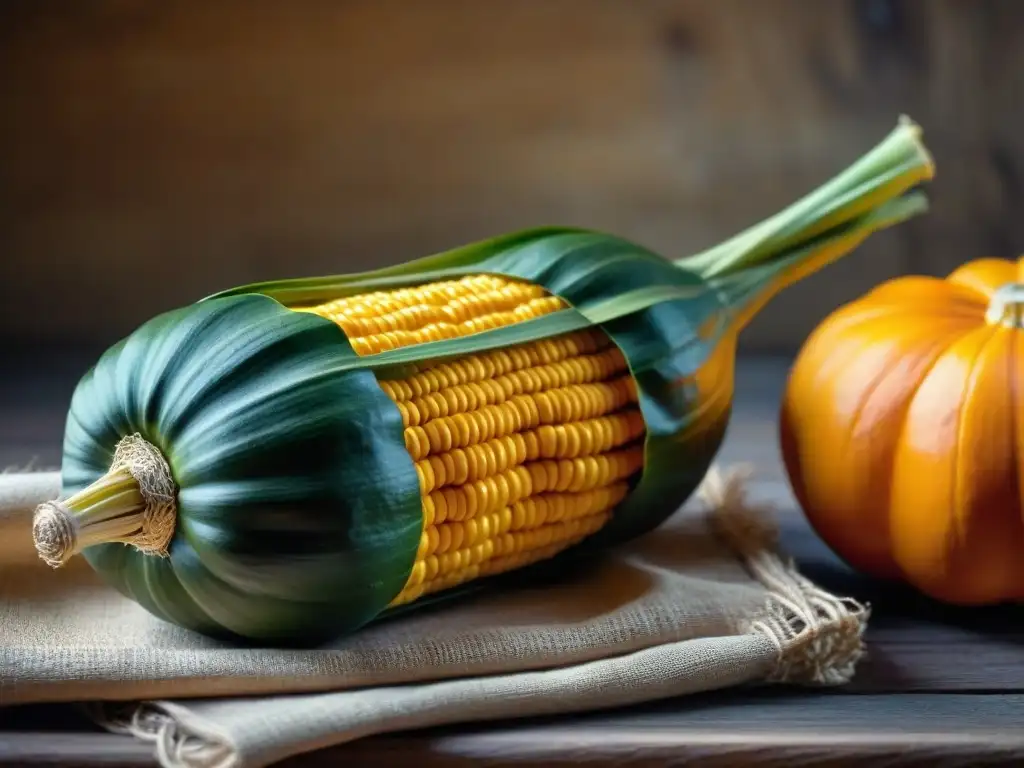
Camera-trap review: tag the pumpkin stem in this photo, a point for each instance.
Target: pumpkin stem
(1007, 306)
(134, 503)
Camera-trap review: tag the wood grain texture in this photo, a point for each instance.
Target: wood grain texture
(159, 152)
(94, 750)
(733, 728)
(757, 729)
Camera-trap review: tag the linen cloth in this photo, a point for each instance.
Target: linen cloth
(705, 602)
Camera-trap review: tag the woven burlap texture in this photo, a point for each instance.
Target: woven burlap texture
(705, 602)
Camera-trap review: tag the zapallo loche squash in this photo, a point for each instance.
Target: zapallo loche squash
(901, 429)
(287, 461)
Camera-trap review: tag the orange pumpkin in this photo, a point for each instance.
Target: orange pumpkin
(902, 432)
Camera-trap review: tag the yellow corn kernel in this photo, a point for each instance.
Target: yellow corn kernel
(461, 398)
(520, 452)
(495, 364)
(386, 320)
(522, 412)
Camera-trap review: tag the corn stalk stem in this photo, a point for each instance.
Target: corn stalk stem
(897, 164)
(134, 502)
(109, 510)
(747, 292)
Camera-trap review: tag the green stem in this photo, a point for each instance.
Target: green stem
(112, 509)
(747, 292)
(134, 502)
(895, 165)
(1006, 306)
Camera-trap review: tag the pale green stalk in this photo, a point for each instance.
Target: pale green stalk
(895, 165)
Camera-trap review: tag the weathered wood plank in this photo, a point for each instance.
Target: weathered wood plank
(731, 729)
(165, 151)
(764, 728)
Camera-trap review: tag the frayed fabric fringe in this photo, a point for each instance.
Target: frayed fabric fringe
(819, 637)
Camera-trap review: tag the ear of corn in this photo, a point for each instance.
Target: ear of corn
(348, 446)
(519, 453)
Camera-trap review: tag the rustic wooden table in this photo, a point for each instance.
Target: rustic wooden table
(940, 687)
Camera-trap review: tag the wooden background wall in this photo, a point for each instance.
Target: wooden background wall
(160, 151)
